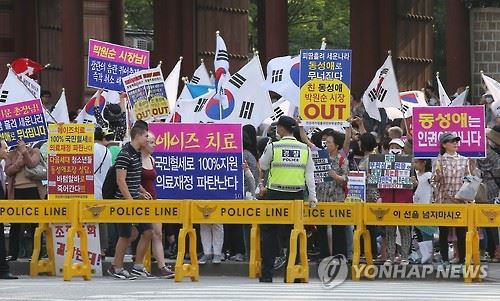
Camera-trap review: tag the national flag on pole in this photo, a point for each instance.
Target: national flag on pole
(247, 102)
(409, 100)
(200, 76)
(87, 114)
(26, 66)
(60, 111)
(443, 97)
(282, 107)
(194, 110)
(13, 90)
(172, 87)
(460, 99)
(494, 88)
(283, 77)
(383, 91)
(198, 90)
(221, 61)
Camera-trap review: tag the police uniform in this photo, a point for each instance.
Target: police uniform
(291, 172)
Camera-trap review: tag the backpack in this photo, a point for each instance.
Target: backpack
(109, 187)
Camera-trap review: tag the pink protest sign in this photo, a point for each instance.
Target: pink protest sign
(198, 161)
(108, 63)
(467, 122)
(23, 120)
(197, 138)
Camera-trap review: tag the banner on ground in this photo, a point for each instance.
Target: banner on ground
(108, 63)
(390, 171)
(198, 161)
(23, 120)
(70, 161)
(356, 186)
(325, 83)
(147, 95)
(322, 166)
(467, 122)
(59, 236)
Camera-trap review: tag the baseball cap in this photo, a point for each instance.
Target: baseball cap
(444, 137)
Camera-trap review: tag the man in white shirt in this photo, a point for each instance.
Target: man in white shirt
(102, 159)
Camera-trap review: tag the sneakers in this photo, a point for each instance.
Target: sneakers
(217, 259)
(142, 273)
(166, 272)
(388, 262)
(237, 257)
(122, 275)
(404, 262)
(204, 259)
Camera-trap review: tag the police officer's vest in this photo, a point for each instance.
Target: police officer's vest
(287, 172)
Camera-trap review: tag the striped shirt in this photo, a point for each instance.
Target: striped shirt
(130, 160)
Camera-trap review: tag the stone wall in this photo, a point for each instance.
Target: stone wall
(485, 46)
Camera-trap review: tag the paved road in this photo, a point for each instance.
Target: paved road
(240, 288)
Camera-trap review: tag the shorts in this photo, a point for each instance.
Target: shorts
(125, 230)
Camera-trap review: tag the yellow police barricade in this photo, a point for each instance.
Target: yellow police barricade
(485, 215)
(335, 213)
(42, 212)
(401, 214)
(255, 213)
(122, 211)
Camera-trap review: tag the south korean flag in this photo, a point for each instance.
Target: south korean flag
(252, 102)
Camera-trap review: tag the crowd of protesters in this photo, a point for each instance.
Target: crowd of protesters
(434, 181)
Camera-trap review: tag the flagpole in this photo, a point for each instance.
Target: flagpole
(127, 113)
(389, 52)
(34, 96)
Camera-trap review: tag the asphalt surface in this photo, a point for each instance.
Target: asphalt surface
(241, 288)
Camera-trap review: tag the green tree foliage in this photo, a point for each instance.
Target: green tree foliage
(139, 14)
(311, 20)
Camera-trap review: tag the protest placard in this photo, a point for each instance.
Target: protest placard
(322, 166)
(23, 120)
(325, 81)
(467, 122)
(108, 63)
(147, 95)
(198, 161)
(390, 171)
(70, 156)
(356, 186)
(71, 176)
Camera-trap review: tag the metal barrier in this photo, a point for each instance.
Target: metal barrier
(257, 213)
(189, 212)
(121, 211)
(44, 212)
(337, 213)
(400, 214)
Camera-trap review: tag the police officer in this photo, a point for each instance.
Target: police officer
(291, 171)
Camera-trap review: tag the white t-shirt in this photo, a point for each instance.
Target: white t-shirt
(100, 153)
(423, 193)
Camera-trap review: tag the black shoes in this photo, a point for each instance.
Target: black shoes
(8, 276)
(265, 280)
